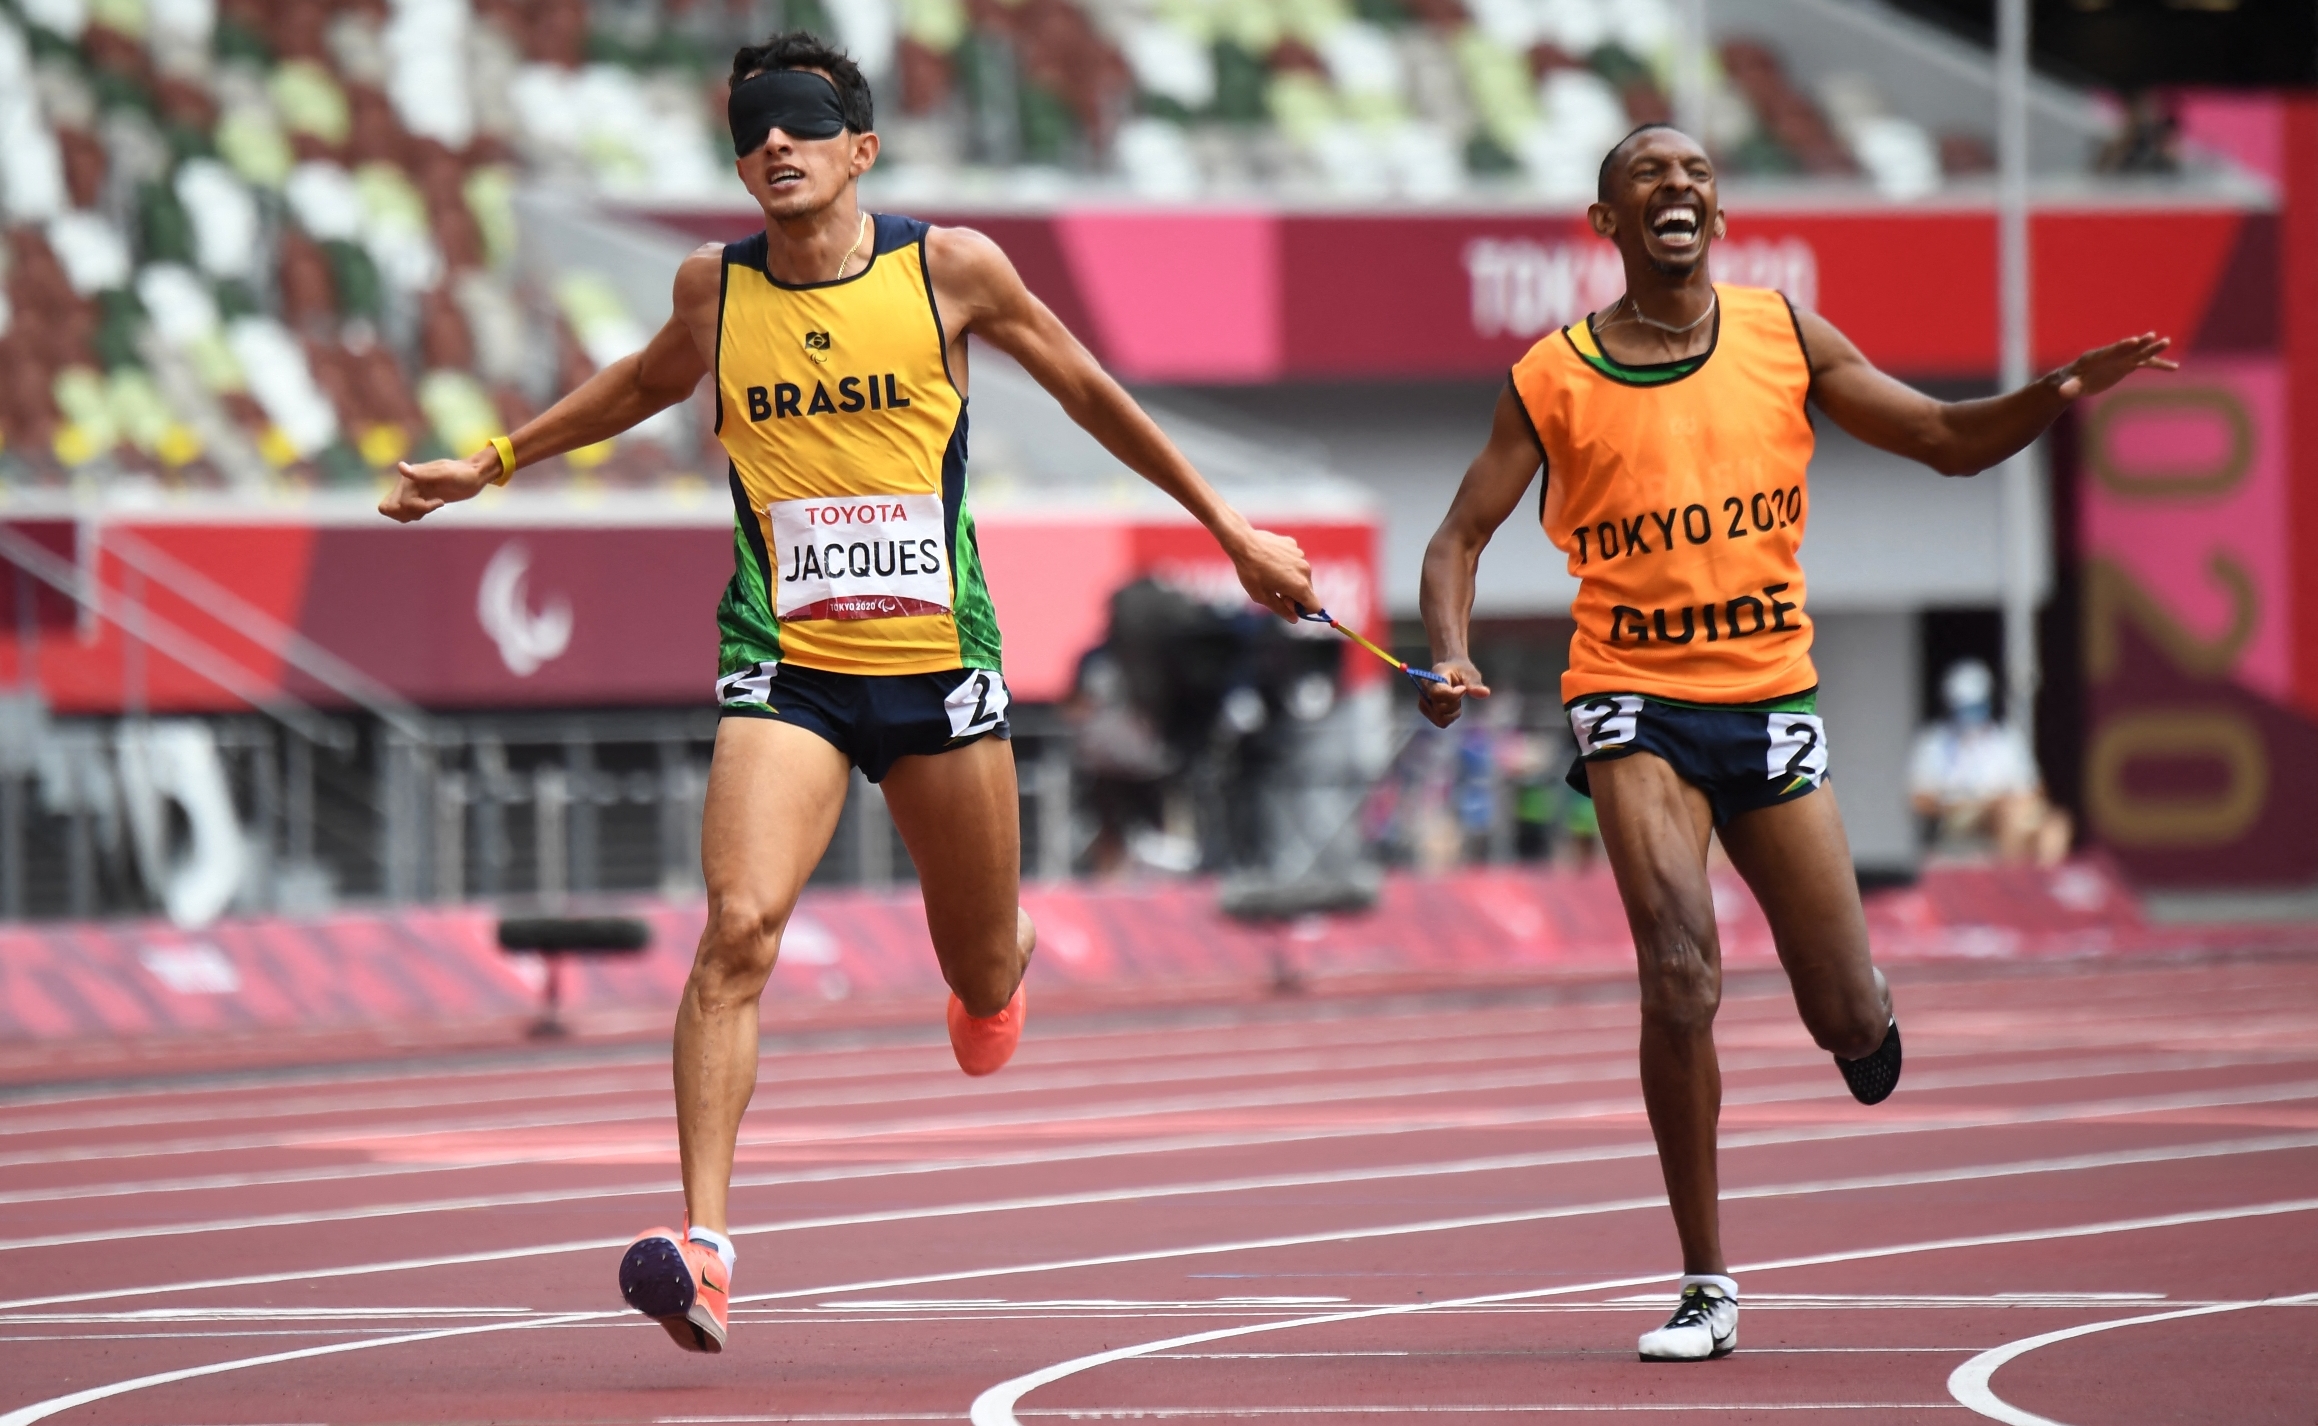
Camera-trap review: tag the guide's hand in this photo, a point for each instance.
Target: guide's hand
(1443, 701)
(1274, 572)
(427, 487)
(2103, 367)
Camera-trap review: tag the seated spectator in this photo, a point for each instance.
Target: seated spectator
(1977, 780)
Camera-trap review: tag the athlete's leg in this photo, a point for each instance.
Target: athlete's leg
(960, 816)
(1797, 861)
(1654, 828)
(774, 794)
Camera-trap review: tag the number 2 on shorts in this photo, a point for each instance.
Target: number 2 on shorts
(1798, 749)
(1605, 722)
(977, 703)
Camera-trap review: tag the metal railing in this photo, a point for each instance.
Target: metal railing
(514, 808)
(388, 803)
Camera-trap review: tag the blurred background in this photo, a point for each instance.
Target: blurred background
(255, 251)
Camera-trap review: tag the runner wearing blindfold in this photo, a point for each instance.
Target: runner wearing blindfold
(857, 630)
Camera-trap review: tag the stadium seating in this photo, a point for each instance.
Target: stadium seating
(251, 243)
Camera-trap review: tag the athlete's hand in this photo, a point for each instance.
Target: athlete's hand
(427, 487)
(1443, 701)
(2103, 367)
(1274, 572)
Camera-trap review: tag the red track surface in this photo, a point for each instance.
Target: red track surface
(1428, 1208)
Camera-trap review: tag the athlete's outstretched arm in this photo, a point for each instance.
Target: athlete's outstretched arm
(611, 401)
(1957, 437)
(1494, 483)
(981, 292)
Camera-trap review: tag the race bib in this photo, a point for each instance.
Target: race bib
(1798, 747)
(859, 557)
(978, 704)
(1605, 721)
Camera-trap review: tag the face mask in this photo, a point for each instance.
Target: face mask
(798, 102)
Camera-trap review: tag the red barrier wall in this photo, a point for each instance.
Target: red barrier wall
(1251, 296)
(431, 966)
(553, 611)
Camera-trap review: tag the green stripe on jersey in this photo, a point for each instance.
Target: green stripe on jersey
(1805, 702)
(971, 607)
(1646, 376)
(746, 632)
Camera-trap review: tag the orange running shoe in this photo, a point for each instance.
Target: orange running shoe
(983, 1044)
(679, 1283)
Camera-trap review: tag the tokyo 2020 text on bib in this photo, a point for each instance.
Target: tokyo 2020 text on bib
(1679, 495)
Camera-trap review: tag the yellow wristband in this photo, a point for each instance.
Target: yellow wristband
(506, 449)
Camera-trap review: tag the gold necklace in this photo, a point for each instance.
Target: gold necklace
(858, 235)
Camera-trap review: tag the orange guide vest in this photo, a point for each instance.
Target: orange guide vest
(1681, 504)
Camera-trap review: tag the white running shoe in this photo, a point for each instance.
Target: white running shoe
(1704, 1325)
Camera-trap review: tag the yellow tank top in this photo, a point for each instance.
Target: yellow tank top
(1680, 498)
(854, 550)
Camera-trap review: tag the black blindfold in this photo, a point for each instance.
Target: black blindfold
(798, 102)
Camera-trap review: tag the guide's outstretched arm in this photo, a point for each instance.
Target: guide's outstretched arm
(981, 291)
(1957, 437)
(1494, 483)
(615, 399)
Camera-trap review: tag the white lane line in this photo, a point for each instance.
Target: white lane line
(466, 1097)
(1181, 1413)
(1736, 1062)
(1970, 1384)
(1354, 1021)
(926, 1087)
(1481, 1356)
(41, 1410)
(311, 1139)
(847, 1057)
(2074, 1163)
(810, 1416)
(1163, 1413)
(1562, 1113)
(2124, 1158)
(1917, 1083)
(196, 1085)
(1330, 1092)
(919, 1084)
(949, 1086)
(148, 1315)
(1491, 1118)
(259, 1332)
(995, 1407)
(542, 1250)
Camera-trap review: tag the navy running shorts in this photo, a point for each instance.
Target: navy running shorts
(1742, 756)
(874, 718)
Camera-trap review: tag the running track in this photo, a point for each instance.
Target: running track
(2094, 1199)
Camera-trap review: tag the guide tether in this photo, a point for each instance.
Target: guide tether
(1419, 676)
